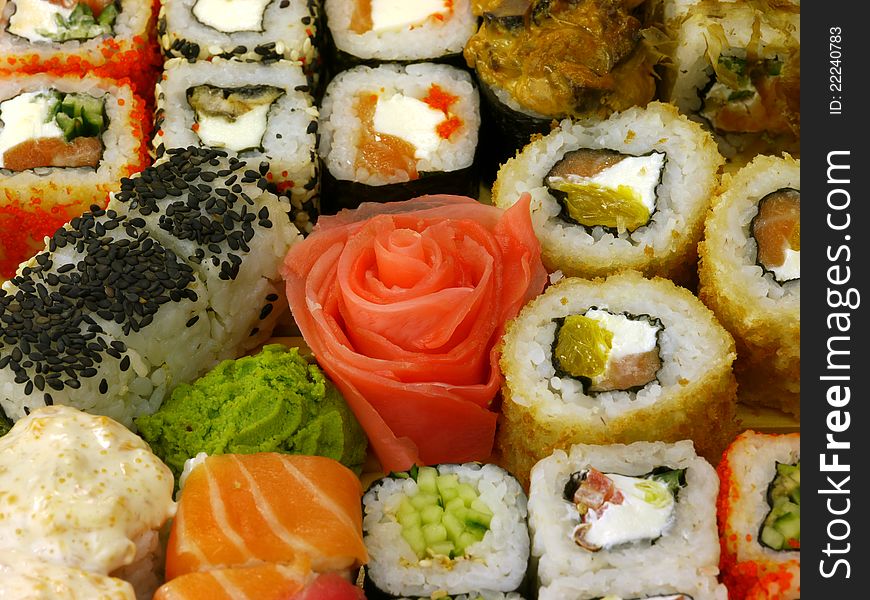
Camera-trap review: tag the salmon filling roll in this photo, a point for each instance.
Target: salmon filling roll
(243, 510)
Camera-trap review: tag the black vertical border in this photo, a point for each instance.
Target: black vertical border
(829, 537)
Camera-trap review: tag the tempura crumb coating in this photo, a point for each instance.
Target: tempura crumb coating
(701, 409)
(767, 330)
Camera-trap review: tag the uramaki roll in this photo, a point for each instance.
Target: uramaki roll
(625, 521)
(750, 277)
(614, 361)
(759, 516)
(630, 192)
(89, 135)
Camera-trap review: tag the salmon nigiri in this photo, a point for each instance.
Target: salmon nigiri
(262, 582)
(243, 510)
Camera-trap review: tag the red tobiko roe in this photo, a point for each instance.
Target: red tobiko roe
(404, 304)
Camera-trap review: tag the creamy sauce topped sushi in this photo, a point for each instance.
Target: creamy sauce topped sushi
(747, 96)
(230, 16)
(394, 15)
(25, 577)
(234, 119)
(51, 129)
(79, 490)
(398, 130)
(777, 230)
(605, 188)
(781, 529)
(62, 20)
(607, 351)
(618, 509)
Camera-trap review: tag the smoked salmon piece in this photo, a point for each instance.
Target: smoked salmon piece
(54, 152)
(244, 510)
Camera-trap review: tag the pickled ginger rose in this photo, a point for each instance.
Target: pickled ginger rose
(403, 305)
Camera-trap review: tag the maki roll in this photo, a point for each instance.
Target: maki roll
(260, 112)
(630, 192)
(109, 38)
(64, 144)
(759, 510)
(750, 277)
(395, 132)
(262, 30)
(126, 303)
(448, 529)
(737, 70)
(617, 360)
(541, 60)
(604, 519)
(375, 31)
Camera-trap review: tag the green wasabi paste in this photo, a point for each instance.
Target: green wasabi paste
(271, 402)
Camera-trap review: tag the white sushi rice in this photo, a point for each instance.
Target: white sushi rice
(688, 180)
(497, 563)
(432, 39)
(686, 345)
(689, 546)
(340, 127)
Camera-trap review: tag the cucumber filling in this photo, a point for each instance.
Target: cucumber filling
(45, 21)
(603, 188)
(235, 119)
(51, 129)
(617, 509)
(607, 351)
(444, 517)
(776, 229)
(781, 529)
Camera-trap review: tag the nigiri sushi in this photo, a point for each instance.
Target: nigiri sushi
(243, 510)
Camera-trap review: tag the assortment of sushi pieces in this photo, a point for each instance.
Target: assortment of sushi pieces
(157, 274)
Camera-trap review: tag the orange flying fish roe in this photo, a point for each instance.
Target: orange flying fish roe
(440, 99)
(447, 128)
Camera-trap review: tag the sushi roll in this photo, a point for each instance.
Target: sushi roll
(448, 529)
(542, 60)
(375, 31)
(395, 132)
(750, 277)
(126, 303)
(633, 521)
(256, 31)
(737, 70)
(88, 494)
(64, 144)
(260, 112)
(759, 509)
(630, 192)
(109, 38)
(614, 361)
(242, 510)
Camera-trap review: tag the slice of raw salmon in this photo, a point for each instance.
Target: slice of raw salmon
(243, 510)
(260, 582)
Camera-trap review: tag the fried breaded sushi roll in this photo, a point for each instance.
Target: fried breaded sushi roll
(630, 192)
(759, 509)
(625, 521)
(614, 361)
(750, 277)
